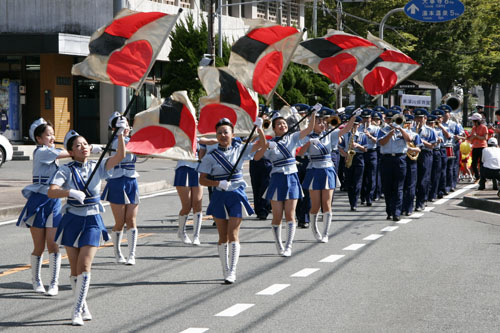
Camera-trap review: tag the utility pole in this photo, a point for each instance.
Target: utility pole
(280, 12)
(315, 18)
(210, 42)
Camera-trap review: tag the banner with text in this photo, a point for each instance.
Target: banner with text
(416, 100)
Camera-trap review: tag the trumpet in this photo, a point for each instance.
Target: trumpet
(266, 124)
(398, 120)
(333, 120)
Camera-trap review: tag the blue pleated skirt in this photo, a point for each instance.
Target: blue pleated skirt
(78, 231)
(40, 212)
(121, 191)
(186, 176)
(283, 187)
(225, 204)
(319, 179)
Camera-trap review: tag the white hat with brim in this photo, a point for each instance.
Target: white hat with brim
(475, 116)
(33, 127)
(69, 135)
(492, 142)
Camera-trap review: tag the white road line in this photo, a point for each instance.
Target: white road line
(428, 209)
(195, 330)
(332, 258)
(274, 289)
(454, 194)
(8, 222)
(404, 221)
(234, 310)
(353, 247)
(416, 215)
(373, 237)
(388, 229)
(305, 272)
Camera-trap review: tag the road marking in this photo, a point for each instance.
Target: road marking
(353, 247)
(234, 310)
(305, 272)
(373, 237)
(64, 256)
(428, 209)
(195, 330)
(404, 221)
(454, 194)
(332, 258)
(274, 289)
(416, 215)
(389, 229)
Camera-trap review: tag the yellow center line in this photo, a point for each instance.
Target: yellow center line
(26, 267)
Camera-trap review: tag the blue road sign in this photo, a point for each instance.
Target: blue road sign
(434, 10)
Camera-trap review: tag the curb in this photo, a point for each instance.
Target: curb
(144, 189)
(489, 205)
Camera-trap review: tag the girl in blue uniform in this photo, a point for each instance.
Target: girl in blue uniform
(321, 177)
(190, 193)
(122, 192)
(228, 203)
(41, 214)
(81, 229)
(284, 186)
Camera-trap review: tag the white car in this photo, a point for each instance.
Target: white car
(6, 150)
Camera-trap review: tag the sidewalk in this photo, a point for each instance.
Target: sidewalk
(486, 200)
(155, 175)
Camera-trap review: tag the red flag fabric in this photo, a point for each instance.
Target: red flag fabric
(387, 70)
(123, 52)
(166, 130)
(259, 58)
(337, 55)
(227, 98)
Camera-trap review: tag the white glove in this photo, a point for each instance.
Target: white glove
(224, 185)
(272, 144)
(258, 122)
(121, 124)
(314, 141)
(78, 195)
(317, 107)
(96, 149)
(358, 111)
(293, 110)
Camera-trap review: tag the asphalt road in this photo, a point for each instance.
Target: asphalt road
(437, 272)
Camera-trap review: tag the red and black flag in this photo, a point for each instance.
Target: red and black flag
(227, 98)
(123, 52)
(259, 58)
(337, 55)
(166, 130)
(387, 70)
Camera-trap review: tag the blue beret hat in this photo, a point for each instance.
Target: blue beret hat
(301, 107)
(431, 118)
(445, 108)
(420, 112)
(377, 115)
(437, 113)
(396, 107)
(380, 108)
(326, 112)
(366, 113)
(409, 117)
(391, 113)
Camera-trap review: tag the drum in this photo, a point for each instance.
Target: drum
(450, 153)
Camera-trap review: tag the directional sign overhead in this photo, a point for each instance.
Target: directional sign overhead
(434, 10)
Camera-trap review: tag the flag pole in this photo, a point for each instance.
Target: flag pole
(241, 153)
(295, 125)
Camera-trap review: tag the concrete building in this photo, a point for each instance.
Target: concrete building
(40, 40)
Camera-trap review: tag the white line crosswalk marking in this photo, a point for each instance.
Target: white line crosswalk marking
(234, 310)
(195, 330)
(272, 290)
(305, 272)
(389, 229)
(353, 247)
(373, 237)
(332, 258)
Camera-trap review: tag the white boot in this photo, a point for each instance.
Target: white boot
(197, 227)
(327, 219)
(277, 238)
(181, 232)
(223, 256)
(36, 268)
(290, 230)
(132, 244)
(86, 315)
(116, 236)
(55, 268)
(82, 289)
(314, 227)
(234, 254)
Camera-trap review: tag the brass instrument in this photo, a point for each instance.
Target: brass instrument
(412, 155)
(398, 120)
(333, 120)
(453, 100)
(266, 124)
(350, 152)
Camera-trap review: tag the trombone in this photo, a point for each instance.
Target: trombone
(398, 120)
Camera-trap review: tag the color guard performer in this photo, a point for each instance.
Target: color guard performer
(122, 192)
(42, 214)
(392, 139)
(229, 202)
(284, 186)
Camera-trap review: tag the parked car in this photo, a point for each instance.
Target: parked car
(6, 150)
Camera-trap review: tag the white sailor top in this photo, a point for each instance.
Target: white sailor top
(320, 156)
(283, 156)
(74, 175)
(45, 164)
(126, 168)
(219, 162)
(334, 139)
(396, 145)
